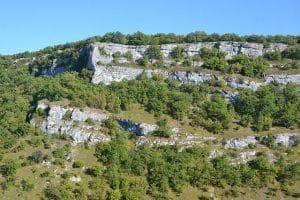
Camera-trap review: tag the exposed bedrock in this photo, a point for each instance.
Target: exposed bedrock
(107, 74)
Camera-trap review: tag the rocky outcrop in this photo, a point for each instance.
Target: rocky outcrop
(238, 83)
(82, 116)
(284, 139)
(72, 122)
(75, 179)
(107, 74)
(58, 66)
(240, 143)
(190, 77)
(54, 69)
(185, 141)
(100, 58)
(140, 129)
(283, 79)
(229, 96)
(247, 156)
(230, 48)
(82, 125)
(287, 139)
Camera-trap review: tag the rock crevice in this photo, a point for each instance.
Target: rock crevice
(107, 74)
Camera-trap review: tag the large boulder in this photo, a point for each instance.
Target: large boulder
(140, 129)
(287, 139)
(283, 79)
(57, 123)
(240, 143)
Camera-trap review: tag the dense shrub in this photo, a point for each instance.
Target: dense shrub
(292, 53)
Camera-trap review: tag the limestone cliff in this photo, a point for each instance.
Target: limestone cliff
(82, 125)
(101, 54)
(230, 48)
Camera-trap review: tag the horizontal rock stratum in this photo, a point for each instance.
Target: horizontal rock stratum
(108, 74)
(100, 57)
(75, 123)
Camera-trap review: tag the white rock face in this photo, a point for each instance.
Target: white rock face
(190, 77)
(235, 83)
(114, 73)
(186, 141)
(84, 115)
(111, 48)
(99, 59)
(215, 153)
(247, 156)
(141, 129)
(75, 179)
(55, 124)
(283, 79)
(287, 139)
(58, 67)
(78, 130)
(108, 74)
(240, 143)
(42, 106)
(230, 48)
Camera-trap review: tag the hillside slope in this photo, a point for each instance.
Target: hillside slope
(197, 120)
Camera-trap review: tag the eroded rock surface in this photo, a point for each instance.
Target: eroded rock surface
(240, 143)
(107, 74)
(283, 79)
(284, 139)
(141, 129)
(230, 48)
(74, 122)
(287, 139)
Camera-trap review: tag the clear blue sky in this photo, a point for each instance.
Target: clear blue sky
(35, 24)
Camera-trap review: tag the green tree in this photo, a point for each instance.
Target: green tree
(9, 168)
(77, 164)
(198, 36)
(289, 173)
(246, 106)
(27, 185)
(225, 173)
(114, 37)
(138, 38)
(143, 61)
(163, 128)
(116, 56)
(153, 53)
(275, 55)
(266, 170)
(292, 53)
(215, 63)
(96, 170)
(178, 53)
(59, 153)
(215, 115)
(128, 55)
(36, 157)
(178, 105)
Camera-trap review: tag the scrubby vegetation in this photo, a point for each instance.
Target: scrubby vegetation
(119, 169)
(270, 105)
(73, 56)
(140, 38)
